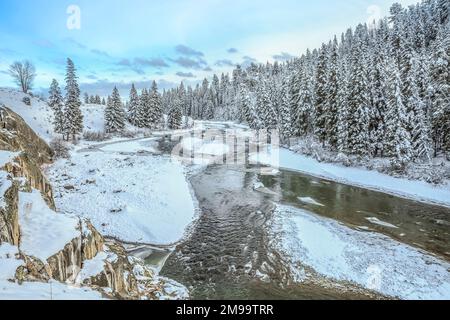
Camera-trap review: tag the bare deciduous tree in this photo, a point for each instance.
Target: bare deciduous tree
(23, 74)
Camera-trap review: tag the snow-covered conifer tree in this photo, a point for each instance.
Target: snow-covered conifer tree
(155, 100)
(56, 102)
(320, 94)
(133, 106)
(358, 100)
(398, 135)
(114, 113)
(175, 116)
(72, 110)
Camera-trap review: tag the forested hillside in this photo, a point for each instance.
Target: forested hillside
(380, 90)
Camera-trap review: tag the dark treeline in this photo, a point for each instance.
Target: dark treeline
(375, 91)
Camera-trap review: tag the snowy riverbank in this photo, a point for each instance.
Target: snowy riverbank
(412, 189)
(371, 260)
(129, 195)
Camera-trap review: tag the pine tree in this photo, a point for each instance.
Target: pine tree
(143, 110)
(303, 110)
(114, 113)
(174, 120)
(398, 122)
(206, 104)
(247, 111)
(378, 90)
(342, 109)
(55, 101)
(358, 100)
(419, 122)
(156, 114)
(331, 122)
(294, 104)
(265, 107)
(72, 110)
(133, 106)
(443, 11)
(215, 92)
(86, 98)
(285, 121)
(440, 91)
(320, 94)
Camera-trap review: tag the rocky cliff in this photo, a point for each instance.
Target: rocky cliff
(83, 257)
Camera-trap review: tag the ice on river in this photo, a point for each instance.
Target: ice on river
(309, 200)
(381, 223)
(371, 260)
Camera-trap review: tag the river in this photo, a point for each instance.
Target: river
(230, 244)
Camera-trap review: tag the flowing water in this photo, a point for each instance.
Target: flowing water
(229, 256)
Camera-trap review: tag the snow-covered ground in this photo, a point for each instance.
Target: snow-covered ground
(371, 260)
(417, 190)
(38, 115)
(127, 146)
(7, 156)
(52, 290)
(93, 117)
(43, 233)
(132, 197)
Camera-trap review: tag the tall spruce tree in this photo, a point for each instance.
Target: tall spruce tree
(331, 122)
(114, 113)
(133, 106)
(358, 100)
(440, 91)
(398, 123)
(285, 118)
(56, 103)
(175, 116)
(143, 110)
(72, 110)
(320, 94)
(155, 100)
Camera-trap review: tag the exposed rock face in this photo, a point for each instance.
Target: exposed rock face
(118, 275)
(130, 278)
(92, 241)
(17, 136)
(67, 263)
(9, 215)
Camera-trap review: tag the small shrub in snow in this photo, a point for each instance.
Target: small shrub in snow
(310, 147)
(147, 134)
(97, 136)
(27, 101)
(434, 174)
(128, 134)
(60, 149)
(343, 159)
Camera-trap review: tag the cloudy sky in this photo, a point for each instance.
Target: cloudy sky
(116, 42)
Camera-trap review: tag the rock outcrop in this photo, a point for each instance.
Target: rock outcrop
(9, 217)
(87, 259)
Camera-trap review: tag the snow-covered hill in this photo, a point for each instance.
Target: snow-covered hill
(94, 117)
(38, 115)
